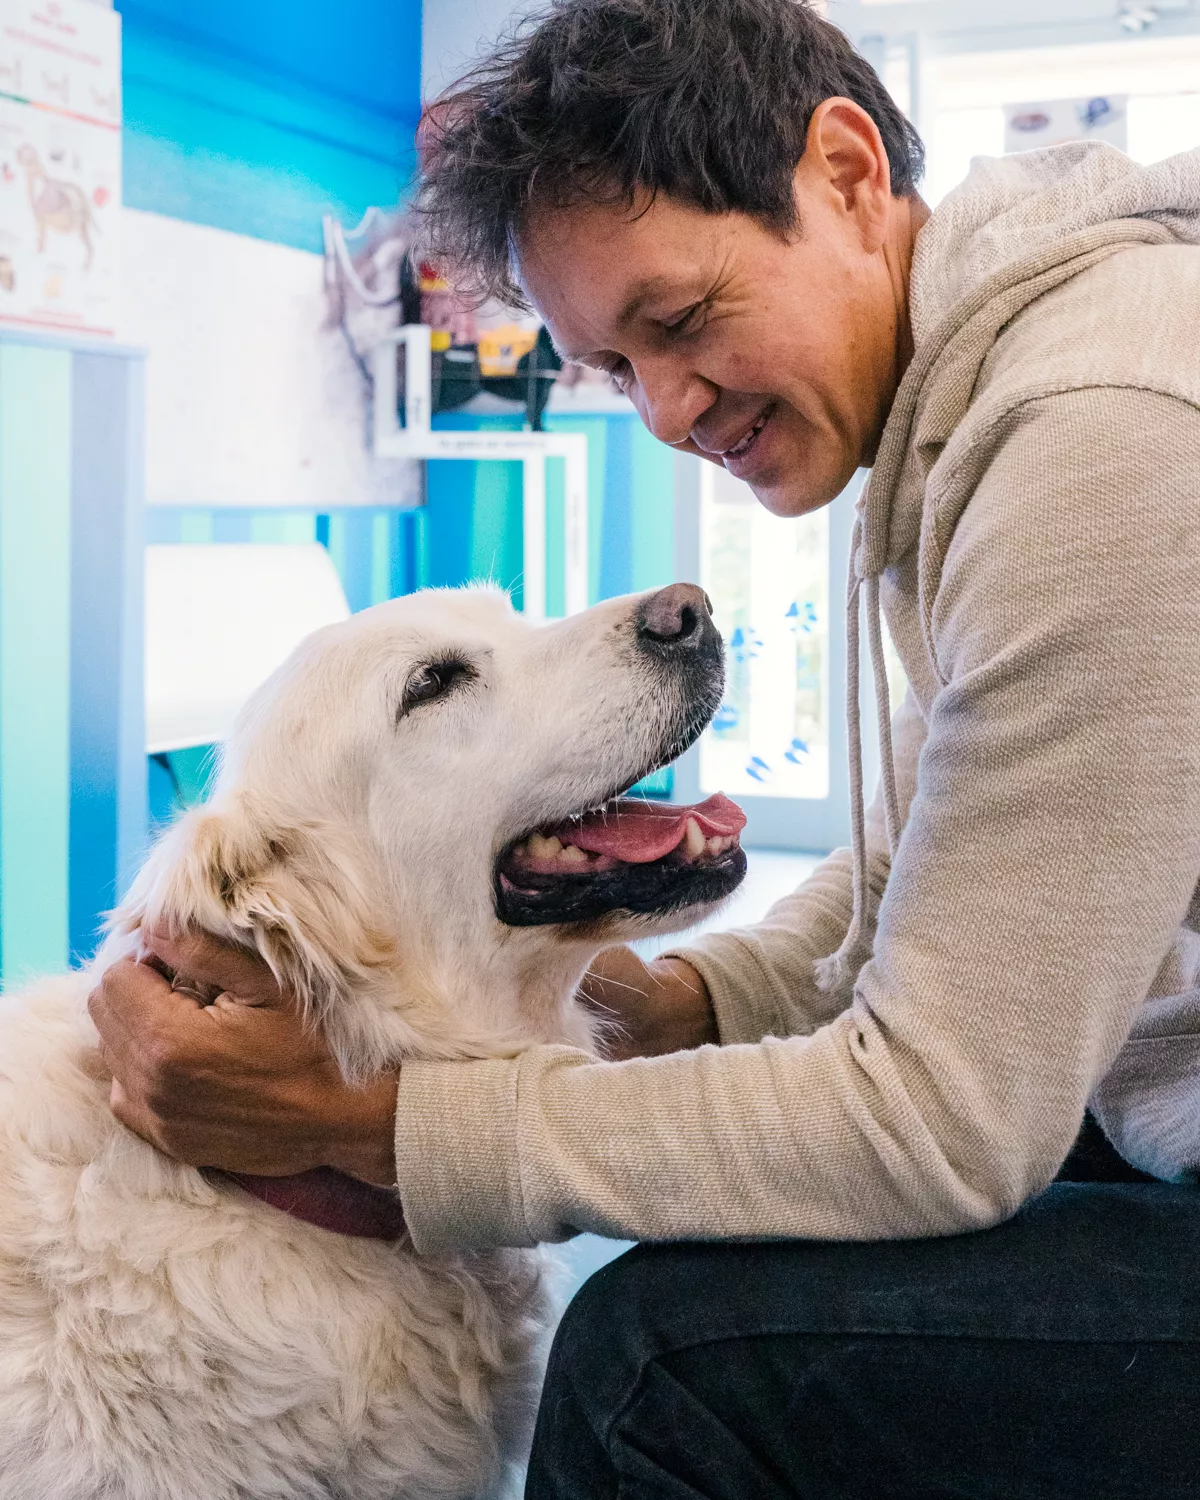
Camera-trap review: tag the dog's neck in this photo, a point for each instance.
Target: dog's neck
(451, 1007)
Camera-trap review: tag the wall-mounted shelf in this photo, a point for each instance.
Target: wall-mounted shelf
(416, 438)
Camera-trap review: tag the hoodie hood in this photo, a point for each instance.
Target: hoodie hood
(1009, 208)
(1014, 229)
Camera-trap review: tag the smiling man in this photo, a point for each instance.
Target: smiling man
(715, 202)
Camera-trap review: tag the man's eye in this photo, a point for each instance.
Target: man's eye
(687, 322)
(430, 682)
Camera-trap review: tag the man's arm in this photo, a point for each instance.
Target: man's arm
(1050, 854)
(746, 983)
(760, 979)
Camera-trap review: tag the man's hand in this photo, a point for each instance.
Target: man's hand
(239, 1083)
(656, 1007)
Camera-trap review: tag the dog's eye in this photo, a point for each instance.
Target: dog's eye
(433, 680)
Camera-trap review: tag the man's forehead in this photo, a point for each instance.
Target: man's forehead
(625, 309)
(591, 280)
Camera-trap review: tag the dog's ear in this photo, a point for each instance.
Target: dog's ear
(294, 895)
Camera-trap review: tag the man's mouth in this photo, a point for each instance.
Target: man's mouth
(748, 439)
(627, 855)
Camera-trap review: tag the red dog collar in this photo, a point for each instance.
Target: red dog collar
(330, 1200)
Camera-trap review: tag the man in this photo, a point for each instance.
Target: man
(714, 201)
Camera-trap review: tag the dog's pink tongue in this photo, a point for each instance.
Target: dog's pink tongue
(638, 832)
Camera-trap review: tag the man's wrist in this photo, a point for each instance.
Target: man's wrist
(689, 1020)
(365, 1143)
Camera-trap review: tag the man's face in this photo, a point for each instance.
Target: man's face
(776, 356)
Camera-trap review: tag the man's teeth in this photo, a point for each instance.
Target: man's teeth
(743, 443)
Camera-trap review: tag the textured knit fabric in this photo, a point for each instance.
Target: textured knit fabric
(1032, 528)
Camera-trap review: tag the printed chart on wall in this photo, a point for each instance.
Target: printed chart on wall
(60, 163)
(768, 579)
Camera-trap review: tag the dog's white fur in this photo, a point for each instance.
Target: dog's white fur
(167, 1337)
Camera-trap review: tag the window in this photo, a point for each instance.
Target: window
(768, 579)
(966, 94)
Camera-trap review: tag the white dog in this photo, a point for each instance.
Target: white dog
(399, 829)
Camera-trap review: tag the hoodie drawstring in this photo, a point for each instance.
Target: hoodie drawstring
(837, 972)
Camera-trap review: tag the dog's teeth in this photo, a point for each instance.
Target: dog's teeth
(572, 856)
(715, 846)
(695, 839)
(541, 847)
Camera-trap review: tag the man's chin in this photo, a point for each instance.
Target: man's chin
(785, 497)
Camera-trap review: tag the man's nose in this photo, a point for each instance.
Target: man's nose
(671, 401)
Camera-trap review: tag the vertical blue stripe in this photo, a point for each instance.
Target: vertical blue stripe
(35, 583)
(651, 510)
(351, 534)
(133, 801)
(597, 429)
(556, 539)
(107, 728)
(382, 533)
(616, 532)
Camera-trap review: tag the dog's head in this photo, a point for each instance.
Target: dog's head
(418, 821)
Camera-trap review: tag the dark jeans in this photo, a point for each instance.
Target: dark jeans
(1055, 1356)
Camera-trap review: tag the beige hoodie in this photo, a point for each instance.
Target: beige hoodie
(1016, 942)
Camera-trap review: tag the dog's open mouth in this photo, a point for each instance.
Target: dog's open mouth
(649, 858)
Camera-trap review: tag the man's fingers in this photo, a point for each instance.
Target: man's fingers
(201, 959)
(119, 1004)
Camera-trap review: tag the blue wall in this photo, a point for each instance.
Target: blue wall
(258, 116)
(378, 553)
(72, 741)
(473, 511)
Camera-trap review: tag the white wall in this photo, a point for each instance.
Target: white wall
(453, 32)
(251, 396)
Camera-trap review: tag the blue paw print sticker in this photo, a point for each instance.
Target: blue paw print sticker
(796, 752)
(744, 645)
(758, 768)
(726, 717)
(802, 616)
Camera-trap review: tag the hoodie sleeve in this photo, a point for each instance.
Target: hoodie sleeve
(1050, 854)
(761, 979)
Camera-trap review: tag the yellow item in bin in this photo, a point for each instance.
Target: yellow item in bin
(501, 348)
(439, 340)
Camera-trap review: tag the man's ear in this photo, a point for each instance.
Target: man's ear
(290, 894)
(844, 155)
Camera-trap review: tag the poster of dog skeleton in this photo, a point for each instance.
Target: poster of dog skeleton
(60, 164)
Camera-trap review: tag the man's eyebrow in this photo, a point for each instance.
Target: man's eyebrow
(641, 293)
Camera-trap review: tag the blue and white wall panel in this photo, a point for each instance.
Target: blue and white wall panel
(72, 744)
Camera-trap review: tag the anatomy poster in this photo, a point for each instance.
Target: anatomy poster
(60, 164)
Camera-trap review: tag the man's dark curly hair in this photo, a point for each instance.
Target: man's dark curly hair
(596, 100)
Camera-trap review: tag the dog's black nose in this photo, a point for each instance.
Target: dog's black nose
(679, 615)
